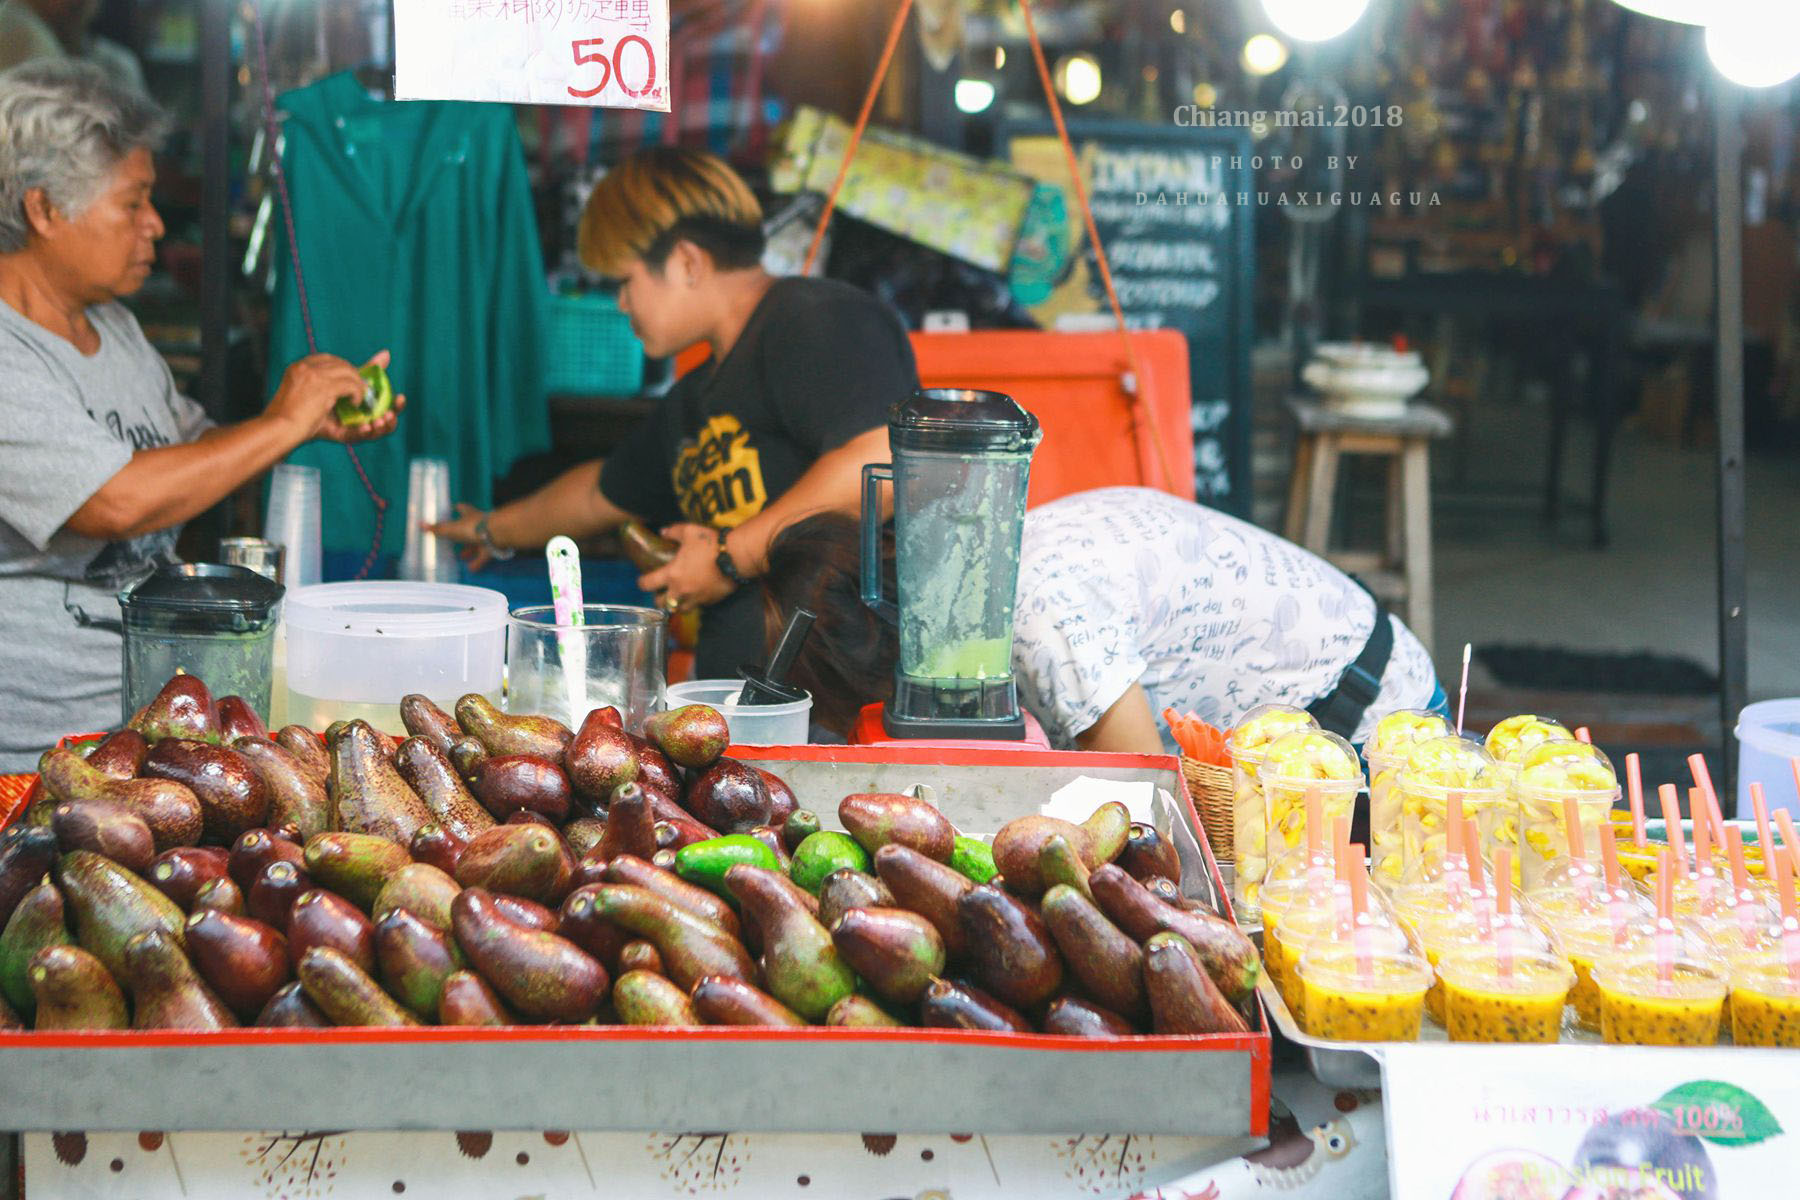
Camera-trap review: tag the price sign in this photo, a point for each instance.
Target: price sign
(1529, 1121)
(604, 53)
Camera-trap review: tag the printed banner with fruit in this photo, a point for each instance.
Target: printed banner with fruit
(1545, 1123)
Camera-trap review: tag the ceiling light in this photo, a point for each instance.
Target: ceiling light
(1264, 54)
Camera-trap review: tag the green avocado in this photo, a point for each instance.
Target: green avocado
(376, 401)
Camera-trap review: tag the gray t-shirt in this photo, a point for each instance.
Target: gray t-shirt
(68, 423)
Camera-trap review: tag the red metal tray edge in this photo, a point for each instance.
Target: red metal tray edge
(1257, 1042)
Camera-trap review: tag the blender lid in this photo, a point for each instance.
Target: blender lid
(204, 588)
(962, 419)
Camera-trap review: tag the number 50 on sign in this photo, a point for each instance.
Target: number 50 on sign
(605, 53)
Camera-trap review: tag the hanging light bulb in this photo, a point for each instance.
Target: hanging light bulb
(1265, 54)
(1755, 46)
(974, 95)
(1686, 12)
(1078, 78)
(1314, 20)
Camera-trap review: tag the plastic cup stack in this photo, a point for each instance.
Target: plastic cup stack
(427, 557)
(293, 522)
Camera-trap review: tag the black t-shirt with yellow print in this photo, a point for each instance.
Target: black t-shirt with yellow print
(818, 363)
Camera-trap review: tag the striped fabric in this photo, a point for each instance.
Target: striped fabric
(716, 77)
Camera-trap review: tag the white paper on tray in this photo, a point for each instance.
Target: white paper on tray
(1076, 801)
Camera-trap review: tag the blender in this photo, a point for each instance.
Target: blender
(215, 622)
(961, 463)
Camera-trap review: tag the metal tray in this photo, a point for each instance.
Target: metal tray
(1358, 1064)
(813, 1080)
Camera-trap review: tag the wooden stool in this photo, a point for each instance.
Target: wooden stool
(1401, 573)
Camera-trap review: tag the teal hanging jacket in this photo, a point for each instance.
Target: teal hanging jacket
(416, 234)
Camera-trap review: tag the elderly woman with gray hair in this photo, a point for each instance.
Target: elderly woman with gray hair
(101, 459)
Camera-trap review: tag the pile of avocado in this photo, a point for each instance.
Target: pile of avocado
(194, 871)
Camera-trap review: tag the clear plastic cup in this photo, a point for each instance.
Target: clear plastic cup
(1307, 761)
(1302, 926)
(1742, 928)
(292, 521)
(1510, 740)
(1368, 994)
(1640, 1007)
(1765, 1003)
(427, 557)
(1437, 770)
(1452, 933)
(1261, 726)
(1490, 996)
(1547, 777)
(1392, 744)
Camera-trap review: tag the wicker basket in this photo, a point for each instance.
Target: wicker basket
(1211, 789)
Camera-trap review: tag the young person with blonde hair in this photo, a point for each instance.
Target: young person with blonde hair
(778, 423)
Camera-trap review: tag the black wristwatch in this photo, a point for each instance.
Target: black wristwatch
(727, 568)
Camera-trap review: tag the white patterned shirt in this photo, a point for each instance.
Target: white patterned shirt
(1212, 615)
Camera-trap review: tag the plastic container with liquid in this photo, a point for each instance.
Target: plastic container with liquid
(1516, 996)
(354, 649)
(1362, 995)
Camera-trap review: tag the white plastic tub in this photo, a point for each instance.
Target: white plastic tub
(353, 649)
(1768, 740)
(751, 724)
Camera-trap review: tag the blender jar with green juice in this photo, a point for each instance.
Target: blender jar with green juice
(962, 462)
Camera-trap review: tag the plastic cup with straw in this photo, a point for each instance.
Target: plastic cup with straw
(1703, 781)
(1618, 903)
(1790, 918)
(1745, 905)
(1665, 925)
(1634, 779)
(1456, 863)
(1503, 925)
(1790, 843)
(1706, 871)
(1676, 859)
(1759, 803)
(1581, 867)
(564, 561)
(1462, 693)
(1484, 903)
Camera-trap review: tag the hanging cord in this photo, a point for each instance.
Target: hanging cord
(279, 172)
(1135, 384)
(862, 123)
(1134, 379)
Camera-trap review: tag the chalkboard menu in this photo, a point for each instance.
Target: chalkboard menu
(1174, 207)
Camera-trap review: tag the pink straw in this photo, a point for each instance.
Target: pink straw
(1764, 840)
(1503, 908)
(1462, 694)
(1359, 911)
(1583, 736)
(1703, 780)
(1483, 910)
(1665, 922)
(1617, 907)
(1671, 811)
(1634, 778)
(1703, 842)
(1572, 828)
(1315, 825)
(1792, 843)
(1790, 917)
(1744, 900)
